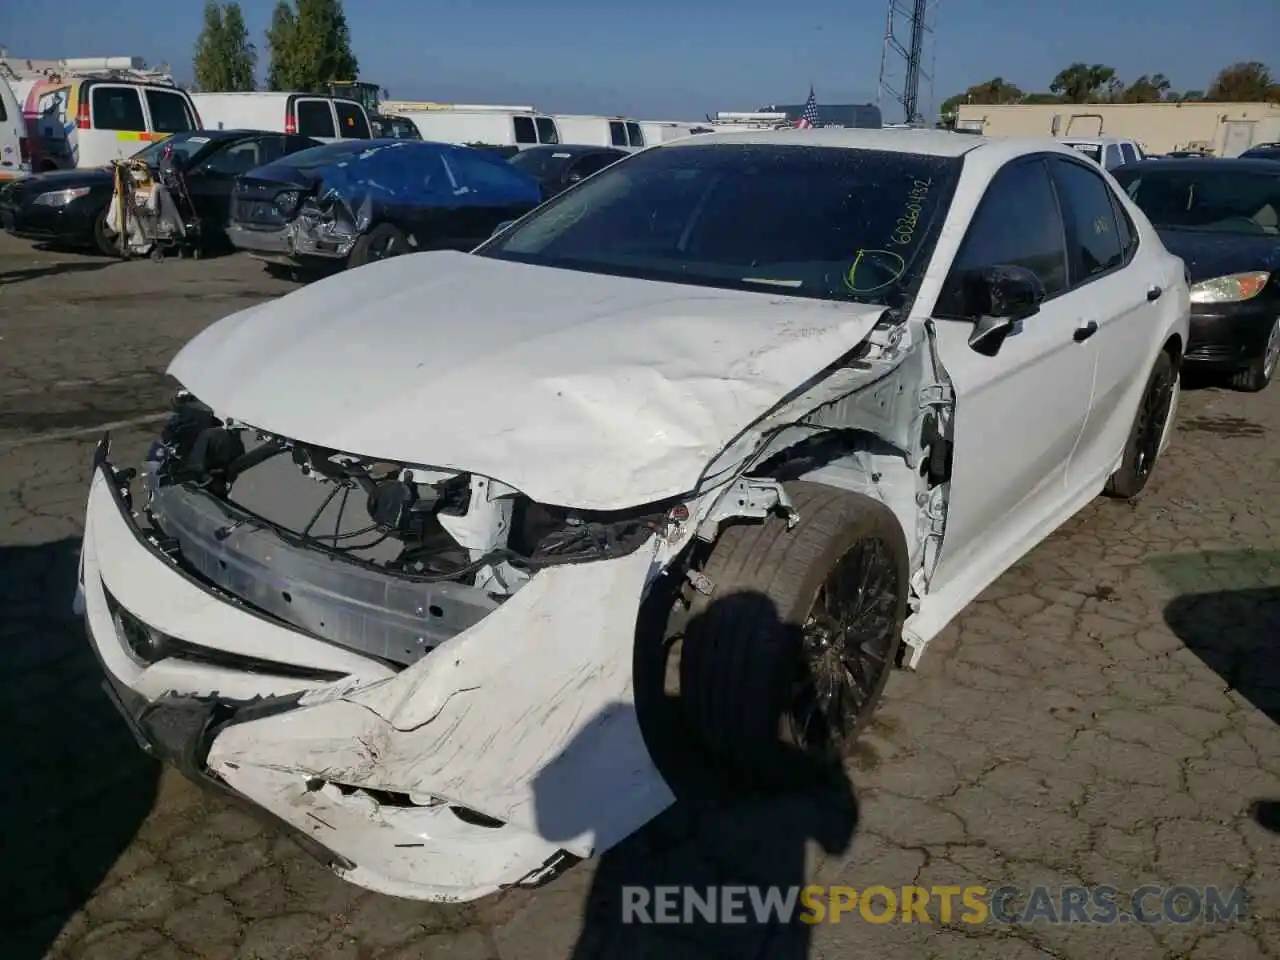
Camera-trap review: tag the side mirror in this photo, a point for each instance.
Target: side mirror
(574, 177)
(500, 227)
(1004, 295)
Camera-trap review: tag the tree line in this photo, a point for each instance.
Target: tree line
(308, 45)
(1245, 82)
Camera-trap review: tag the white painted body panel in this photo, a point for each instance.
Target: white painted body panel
(580, 389)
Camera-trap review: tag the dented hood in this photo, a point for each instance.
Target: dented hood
(577, 389)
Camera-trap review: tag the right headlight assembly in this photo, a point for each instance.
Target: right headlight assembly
(1230, 289)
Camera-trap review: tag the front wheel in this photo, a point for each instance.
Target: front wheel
(1150, 431)
(782, 666)
(381, 242)
(107, 244)
(1257, 375)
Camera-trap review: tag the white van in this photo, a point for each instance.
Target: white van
(89, 121)
(596, 131)
(327, 119)
(513, 129)
(15, 162)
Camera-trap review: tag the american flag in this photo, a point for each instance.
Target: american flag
(809, 119)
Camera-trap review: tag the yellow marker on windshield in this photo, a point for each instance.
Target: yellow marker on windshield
(878, 268)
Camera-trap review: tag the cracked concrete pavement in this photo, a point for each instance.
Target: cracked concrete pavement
(1105, 714)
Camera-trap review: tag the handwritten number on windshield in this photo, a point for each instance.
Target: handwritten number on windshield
(904, 231)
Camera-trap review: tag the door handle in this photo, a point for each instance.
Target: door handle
(1084, 333)
(1154, 293)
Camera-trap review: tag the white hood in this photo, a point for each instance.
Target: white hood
(577, 389)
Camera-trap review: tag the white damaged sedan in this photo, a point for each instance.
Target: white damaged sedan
(787, 400)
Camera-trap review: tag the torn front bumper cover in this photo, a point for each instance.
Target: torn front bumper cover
(508, 752)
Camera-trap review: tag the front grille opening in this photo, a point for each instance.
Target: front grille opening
(151, 646)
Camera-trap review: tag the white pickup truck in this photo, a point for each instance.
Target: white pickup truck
(1108, 152)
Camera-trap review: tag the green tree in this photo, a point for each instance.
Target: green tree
(1082, 83)
(1247, 82)
(310, 45)
(1186, 96)
(1147, 89)
(996, 90)
(224, 59)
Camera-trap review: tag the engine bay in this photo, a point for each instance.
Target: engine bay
(391, 559)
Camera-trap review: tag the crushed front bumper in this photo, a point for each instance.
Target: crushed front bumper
(508, 752)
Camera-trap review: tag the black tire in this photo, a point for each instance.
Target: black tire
(1257, 375)
(1142, 449)
(746, 684)
(106, 244)
(381, 242)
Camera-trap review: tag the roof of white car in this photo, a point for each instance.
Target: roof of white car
(939, 143)
(1095, 141)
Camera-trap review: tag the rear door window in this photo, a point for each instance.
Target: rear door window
(351, 121)
(525, 131)
(117, 108)
(315, 118)
(170, 112)
(635, 135)
(547, 132)
(617, 133)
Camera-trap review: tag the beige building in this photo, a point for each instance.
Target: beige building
(1225, 129)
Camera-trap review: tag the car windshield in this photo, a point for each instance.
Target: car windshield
(394, 128)
(1227, 201)
(823, 222)
(541, 163)
(186, 145)
(1091, 150)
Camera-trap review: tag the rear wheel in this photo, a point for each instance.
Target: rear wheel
(781, 668)
(1260, 370)
(1149, 433)
(381, 242)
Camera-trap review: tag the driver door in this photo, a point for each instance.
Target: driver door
(213, 179)
(1019, 413)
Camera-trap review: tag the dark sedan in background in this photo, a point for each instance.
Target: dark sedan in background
(346, 204)
(559, 167)
(69, 207)
(1262, 151)
(1222, 217)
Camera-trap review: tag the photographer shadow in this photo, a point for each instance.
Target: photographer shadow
(720, 872)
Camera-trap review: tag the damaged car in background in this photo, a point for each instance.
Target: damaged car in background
(787, 401)
(348, 203)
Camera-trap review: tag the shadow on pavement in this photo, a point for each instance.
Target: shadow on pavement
(1236, 632)
(35, 273)
(716, 837)
(77, 787)
(1266, 814)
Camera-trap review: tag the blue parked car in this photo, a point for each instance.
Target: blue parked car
(355, 201)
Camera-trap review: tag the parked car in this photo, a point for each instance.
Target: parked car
(326, 119)
(1109, 152)
(70, 206)
(346, 204)
(1222, 217)
(87, 122)
(1262, 151)
(390, 127)
(560, 167)
(756, 413)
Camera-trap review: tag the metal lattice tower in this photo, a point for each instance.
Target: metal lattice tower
(908, 43)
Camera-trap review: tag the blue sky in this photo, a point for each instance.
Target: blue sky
(679, 60)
